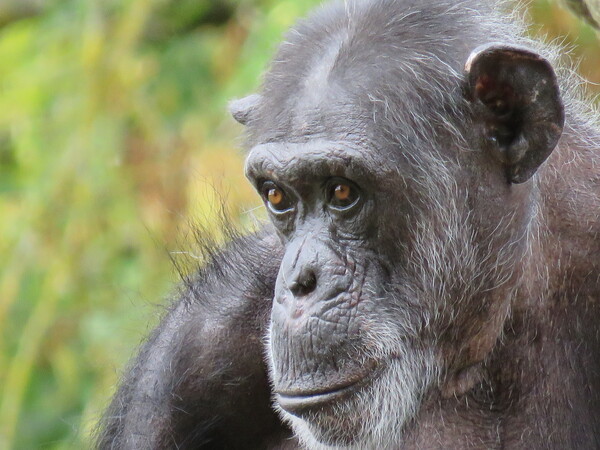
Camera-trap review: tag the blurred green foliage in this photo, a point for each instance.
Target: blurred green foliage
(113, 138)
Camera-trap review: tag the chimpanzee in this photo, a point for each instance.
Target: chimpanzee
(431, 275)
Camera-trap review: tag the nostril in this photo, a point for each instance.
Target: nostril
(305, 284)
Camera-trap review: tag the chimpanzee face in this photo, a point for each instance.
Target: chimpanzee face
(402, 220)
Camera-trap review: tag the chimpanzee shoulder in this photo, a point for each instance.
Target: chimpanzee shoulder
(219, 316)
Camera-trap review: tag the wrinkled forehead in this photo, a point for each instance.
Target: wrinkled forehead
(368, 102)
(317, 106)
(320, 158)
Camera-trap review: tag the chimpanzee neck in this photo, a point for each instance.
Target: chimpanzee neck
(540, 388)
(543, 378)
(547, 374)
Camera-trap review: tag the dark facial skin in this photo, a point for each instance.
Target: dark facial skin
(324, 219)
(429, 279)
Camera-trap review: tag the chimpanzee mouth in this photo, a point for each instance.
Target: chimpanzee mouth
(301, 402)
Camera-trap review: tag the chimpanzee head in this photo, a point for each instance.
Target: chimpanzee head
(395, 145)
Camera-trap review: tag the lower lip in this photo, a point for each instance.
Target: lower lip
(299, 403)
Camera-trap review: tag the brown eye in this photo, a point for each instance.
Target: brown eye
(343, 195)
(342, 192)
(276, 198)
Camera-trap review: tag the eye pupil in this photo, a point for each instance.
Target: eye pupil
(342, 192)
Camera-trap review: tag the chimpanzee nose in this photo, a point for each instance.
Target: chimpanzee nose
(304, 284)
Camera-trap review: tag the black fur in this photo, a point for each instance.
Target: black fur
(200, 380)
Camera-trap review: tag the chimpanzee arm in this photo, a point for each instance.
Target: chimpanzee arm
(200, 379)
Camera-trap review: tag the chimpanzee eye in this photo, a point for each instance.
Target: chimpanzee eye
(342, 194)
(275, 198)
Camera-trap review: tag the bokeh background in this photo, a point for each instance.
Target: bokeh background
(114, 138)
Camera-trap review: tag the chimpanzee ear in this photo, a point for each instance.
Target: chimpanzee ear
(243, 109)
(518, 110)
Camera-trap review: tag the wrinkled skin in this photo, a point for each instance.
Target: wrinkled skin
(430, 278)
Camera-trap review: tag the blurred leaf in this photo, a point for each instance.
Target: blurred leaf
(589, 10)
